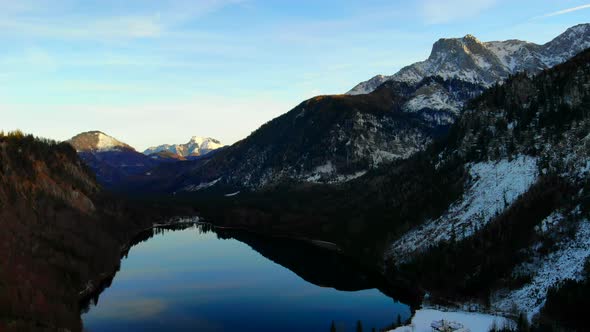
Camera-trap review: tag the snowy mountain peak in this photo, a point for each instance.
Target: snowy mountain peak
(97, 141)
(580, 29)
(197, 139)
(486, 63)
(196, 146)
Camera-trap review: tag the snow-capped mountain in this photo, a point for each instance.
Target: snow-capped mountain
(111, 160)
(196, 146)
(97, 141)
(486, 63)
(525, 151)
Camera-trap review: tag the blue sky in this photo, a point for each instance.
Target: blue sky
(152, 72)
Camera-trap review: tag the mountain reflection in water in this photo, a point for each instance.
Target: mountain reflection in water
(200, 278)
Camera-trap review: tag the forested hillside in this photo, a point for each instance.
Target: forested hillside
(485, 214)
(61, 236)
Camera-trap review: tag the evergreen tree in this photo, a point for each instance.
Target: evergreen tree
(359, 326)
(522, 324)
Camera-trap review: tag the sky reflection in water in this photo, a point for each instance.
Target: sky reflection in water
(186, 280)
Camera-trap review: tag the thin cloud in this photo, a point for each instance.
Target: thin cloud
(447, 11)
(565, 11)
(45, 21)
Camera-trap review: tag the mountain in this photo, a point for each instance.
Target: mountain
(97, 141)
(61, 235)
(196, 146)
(486, 63)
(334, 139)
(328, 139)
(521, 225)
(493, 216)
(112, 160)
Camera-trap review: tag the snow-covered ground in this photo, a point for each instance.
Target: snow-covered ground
(565, 263)
(494, 186)
(475, 322)
(201, 186)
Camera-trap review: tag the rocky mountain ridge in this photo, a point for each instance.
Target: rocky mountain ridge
(486, 63)
(196, 146)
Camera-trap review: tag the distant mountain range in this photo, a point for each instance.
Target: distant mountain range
(115, 162)
(486, 63)
(197, 146)
(111, 160)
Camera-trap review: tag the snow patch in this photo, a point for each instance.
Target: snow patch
(327, 168)
(202, 185)
(437, 101)
(494, 186)
(196, 146)
(380, 156)
(475, 322)
(105, 142)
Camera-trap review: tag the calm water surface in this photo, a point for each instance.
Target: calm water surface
(195, 280)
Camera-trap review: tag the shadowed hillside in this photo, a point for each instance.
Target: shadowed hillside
(60, 234)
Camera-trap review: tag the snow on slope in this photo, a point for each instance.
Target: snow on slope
(201, 186)
(436, 101)
(205, 144)
(97, 141)
(494, 186)
(105, 142)
(474, 322)
(567, 262)
(327, 173)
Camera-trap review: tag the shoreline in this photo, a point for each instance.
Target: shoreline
(95, 286)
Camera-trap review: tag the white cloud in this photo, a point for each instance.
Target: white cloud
(47, 19)
(446, 11)
(566, 11)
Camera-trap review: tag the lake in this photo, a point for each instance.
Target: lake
(202, 279)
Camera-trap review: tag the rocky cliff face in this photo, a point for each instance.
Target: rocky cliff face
(486, 63)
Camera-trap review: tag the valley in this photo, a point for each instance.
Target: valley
(457, 187)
